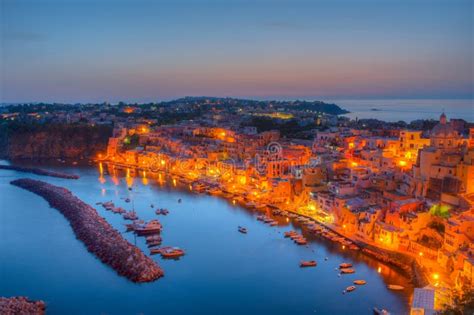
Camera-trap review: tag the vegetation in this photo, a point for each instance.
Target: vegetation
(463, 304)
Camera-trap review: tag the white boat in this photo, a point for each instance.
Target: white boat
(396, 287)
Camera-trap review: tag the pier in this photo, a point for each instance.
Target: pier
(38, 171)
(96, 233)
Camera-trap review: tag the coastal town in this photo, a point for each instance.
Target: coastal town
(398, 190)
(400, 193)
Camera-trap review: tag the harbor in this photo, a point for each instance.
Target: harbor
(259, 263)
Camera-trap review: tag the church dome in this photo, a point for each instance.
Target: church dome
(444, 129)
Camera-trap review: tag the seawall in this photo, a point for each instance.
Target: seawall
(96, 233)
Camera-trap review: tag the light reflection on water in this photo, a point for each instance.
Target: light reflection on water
(223, 272)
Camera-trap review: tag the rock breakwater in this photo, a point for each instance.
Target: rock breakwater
(38, 171)
(96, 233)
(21, 305)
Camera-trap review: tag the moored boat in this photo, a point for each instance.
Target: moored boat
(347, 270)
(243, 230)
(382, 311)
(345, 265)
(308, 263)
(396, 287)
(350, 288)
(360, 282)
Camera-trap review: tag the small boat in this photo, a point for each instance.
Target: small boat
(360, 282)
(152, 205)
(152, 227)
(396, 287)
(131, 215)
(127, 199)
(243, 230)
(172, 253)
(350, 288)
(179, 200)
(308, 263)
(382, 311)
(347, 270)
(290, 233)
(345, 265)
(301, 241)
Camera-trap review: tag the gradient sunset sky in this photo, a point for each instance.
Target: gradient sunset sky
(112, 50)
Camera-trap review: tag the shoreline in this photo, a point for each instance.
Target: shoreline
(408, 269)
(100, 238)
(38, 171)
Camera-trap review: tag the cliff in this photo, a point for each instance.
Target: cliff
(22, 141)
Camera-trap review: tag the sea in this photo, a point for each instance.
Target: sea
(223, 271)
(407, 110)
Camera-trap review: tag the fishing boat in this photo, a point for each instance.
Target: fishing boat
(243, 230)
(347, 270)
(345, 265)
(290, 233)
(127, 200)
(396, 287)
(173, 252)
(308, 263)
(360, 282)
(350, 288)
(152, 227)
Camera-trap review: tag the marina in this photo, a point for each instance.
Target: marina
(200, 224)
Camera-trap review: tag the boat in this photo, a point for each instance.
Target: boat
(382, 311)
(131, 215)
(243, 230)
(127, 200)
(360, 282)
(161, 211)
(301, 241)
(198, 187)
(347, 270)
(290, 233)
(273, 223)
(308, 263)
(260, 206)
(173, 252)
(345, 265)
(396, 287)
(152, 227)
(261, 217)
(179, 200)
(350, 288)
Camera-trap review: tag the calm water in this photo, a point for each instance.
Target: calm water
(408, 110)
(223, 272)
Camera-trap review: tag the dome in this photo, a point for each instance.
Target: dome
(444, 129)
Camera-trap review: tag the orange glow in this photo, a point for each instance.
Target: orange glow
(420, 254)
(351, 145)
(354, 164)
(174, 182)
(435, 276)
(402, 163)
(379, 270)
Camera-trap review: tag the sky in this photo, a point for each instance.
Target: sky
(140, 51)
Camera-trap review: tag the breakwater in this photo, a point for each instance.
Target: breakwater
(38, 171)
(96, 233)
(21, 305)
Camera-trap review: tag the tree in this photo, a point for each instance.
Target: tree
(463, 304)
